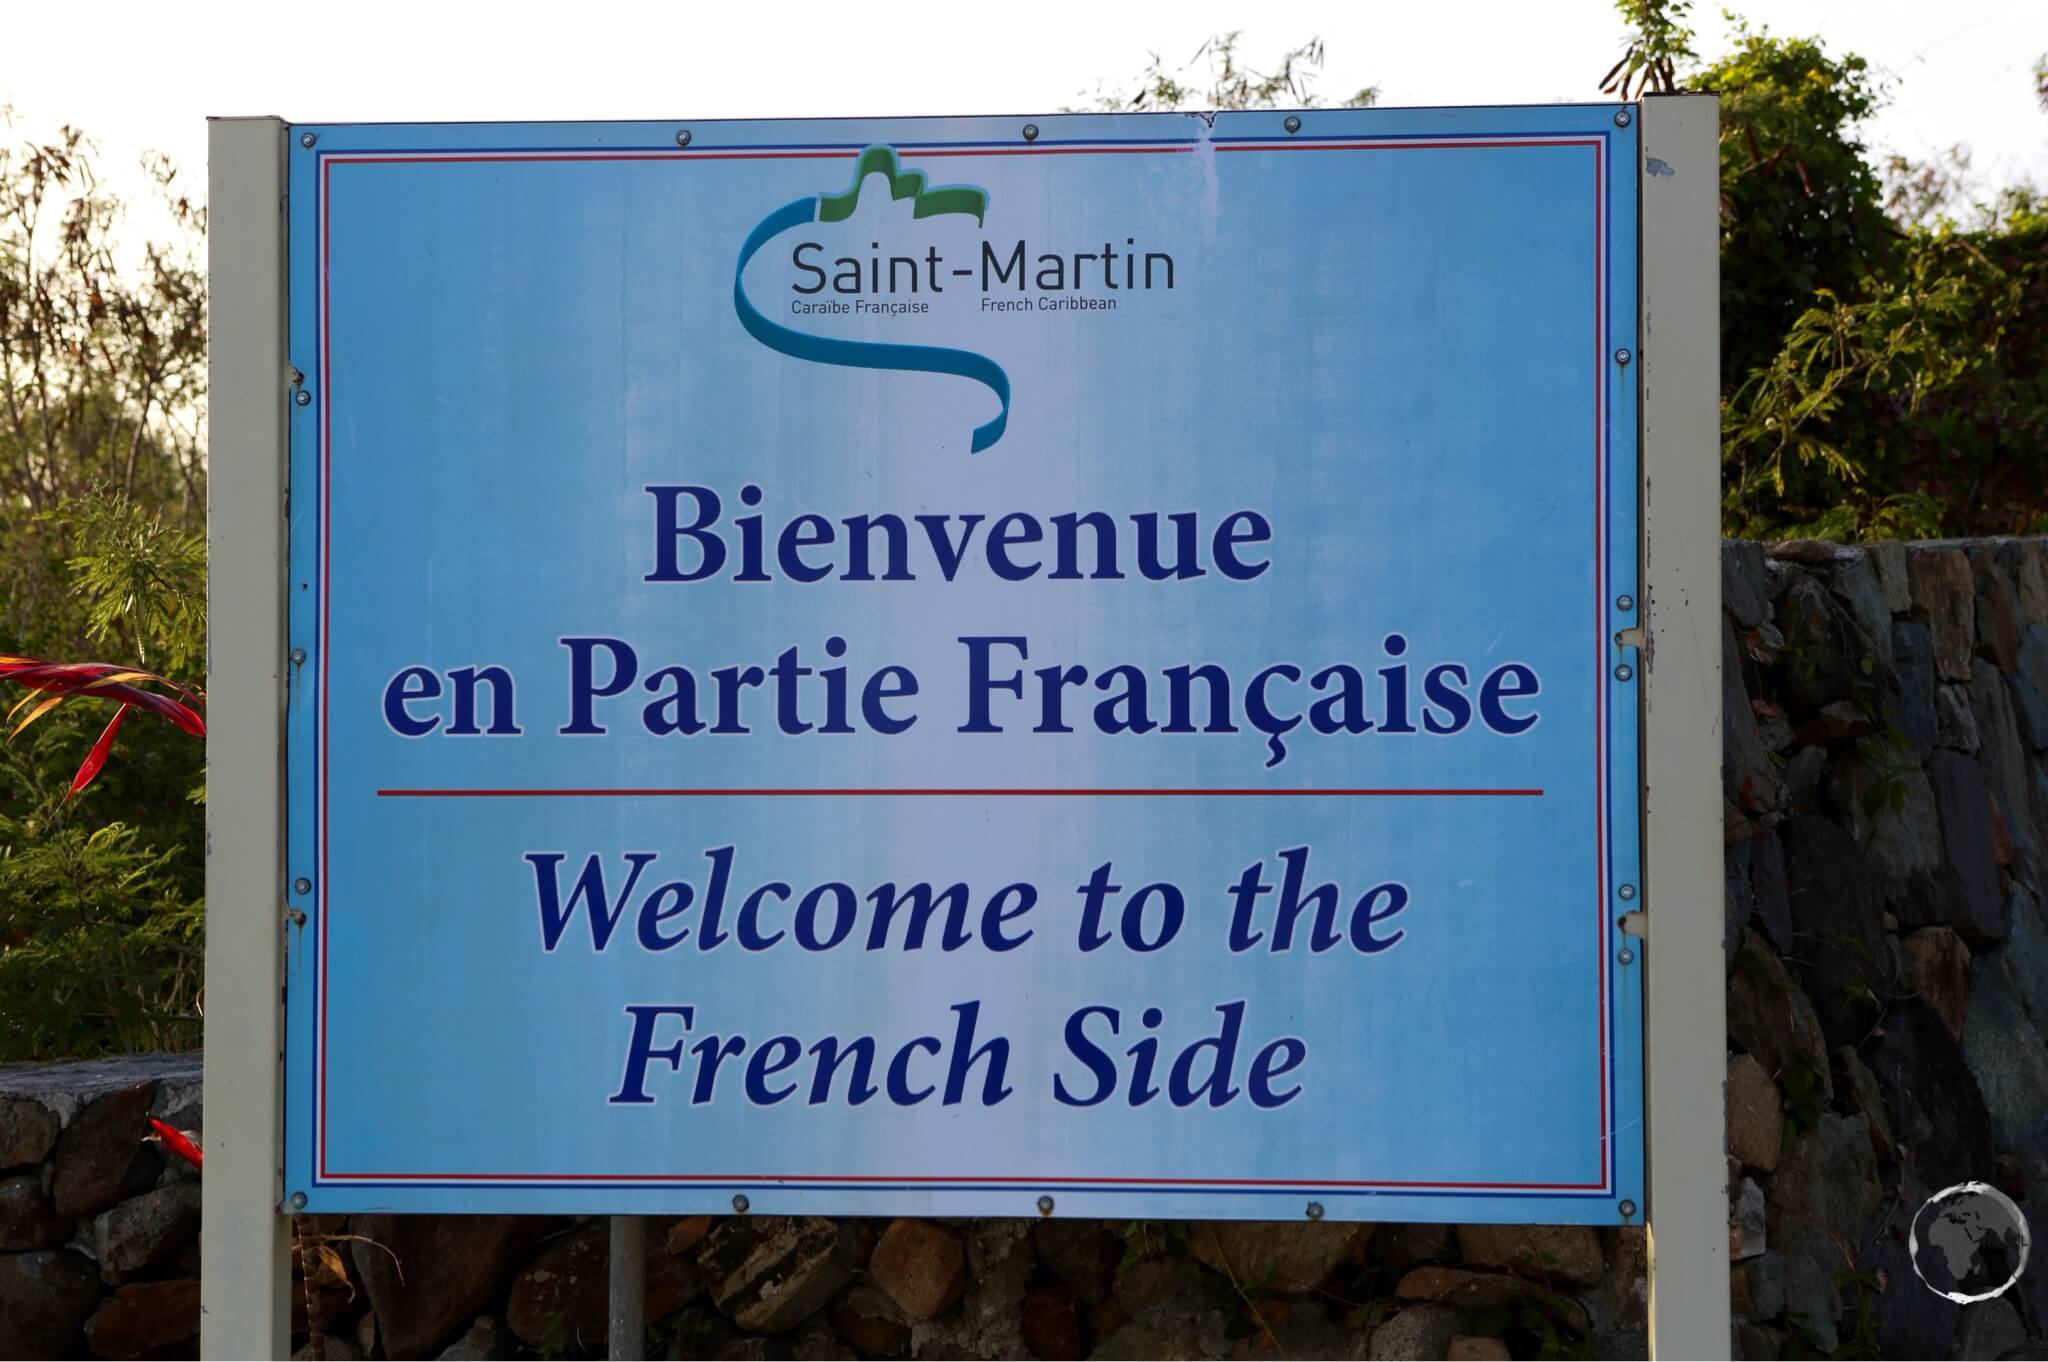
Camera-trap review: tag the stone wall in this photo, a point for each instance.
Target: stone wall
(1886, 768)
(1885, 760)
(99, 1230)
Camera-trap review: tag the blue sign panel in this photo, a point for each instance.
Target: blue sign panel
(921, 665)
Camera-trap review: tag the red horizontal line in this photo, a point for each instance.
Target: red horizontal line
(1026, 1180)
(992, 792)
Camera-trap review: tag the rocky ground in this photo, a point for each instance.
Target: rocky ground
(1885, 712)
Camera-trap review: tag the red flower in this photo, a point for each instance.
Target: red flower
(178, 1142)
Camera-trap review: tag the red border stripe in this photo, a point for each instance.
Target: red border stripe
(326, 540)
(1596, 141)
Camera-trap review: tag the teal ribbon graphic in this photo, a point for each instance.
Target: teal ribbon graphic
(929, 359)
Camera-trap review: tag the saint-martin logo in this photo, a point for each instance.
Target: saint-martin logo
(926, 201)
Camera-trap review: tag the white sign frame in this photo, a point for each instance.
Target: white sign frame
(246, 1281)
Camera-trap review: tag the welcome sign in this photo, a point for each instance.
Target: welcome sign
(967, 666)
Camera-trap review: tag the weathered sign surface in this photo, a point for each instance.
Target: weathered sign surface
(935, 664)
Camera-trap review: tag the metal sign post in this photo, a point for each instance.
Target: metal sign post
(626, 1335)
(1685, 1002)
(244, 1239)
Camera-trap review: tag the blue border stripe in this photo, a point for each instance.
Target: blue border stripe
(706, 150)
(1078, 1189)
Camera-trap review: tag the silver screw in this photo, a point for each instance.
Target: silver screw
(307, 139)
(1031, 132)
(302, 885)
(302, 397)
(739, 1203)
(299, 1198)
(682, 137)
(1624, 602)
(1627, 1209)
(1621, 121)
(298, 657)
(1292, 124)
(1627, 892)
(1623, 672)
(1622, 357)
(1627, 956)
(1045, 1205)
(1315, 1210)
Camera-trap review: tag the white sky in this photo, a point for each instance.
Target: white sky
(145, 76)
